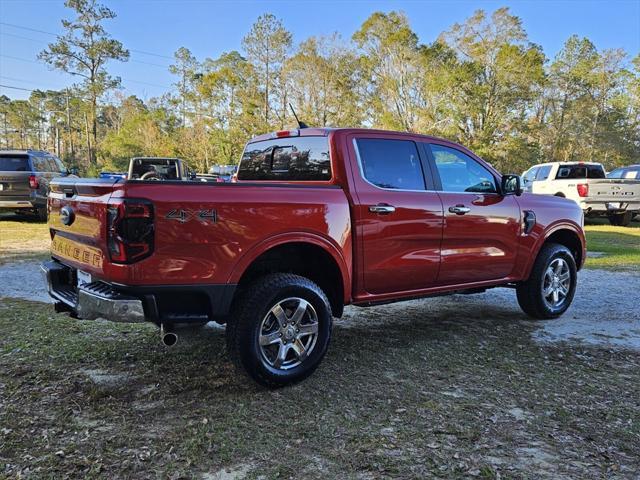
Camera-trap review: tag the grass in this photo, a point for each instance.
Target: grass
(403, 392)
(620, 246)
(23, 239)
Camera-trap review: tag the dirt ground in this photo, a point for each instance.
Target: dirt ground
(450, 387)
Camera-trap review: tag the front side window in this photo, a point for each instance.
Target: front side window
(393, 164)
(291, 158)
(461, 173)
(530, 174)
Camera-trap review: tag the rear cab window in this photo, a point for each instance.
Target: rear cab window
(14, 163)
(580, 171)
(287, 159)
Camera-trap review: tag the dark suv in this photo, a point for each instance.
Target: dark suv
(24, 180)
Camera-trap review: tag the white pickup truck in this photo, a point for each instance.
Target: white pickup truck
(586, 183)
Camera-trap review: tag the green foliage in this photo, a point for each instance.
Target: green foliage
(481, 83)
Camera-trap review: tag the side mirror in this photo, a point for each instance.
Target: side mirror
(511, 185)
(73, 171)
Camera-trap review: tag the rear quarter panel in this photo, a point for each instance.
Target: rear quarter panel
(250, 219)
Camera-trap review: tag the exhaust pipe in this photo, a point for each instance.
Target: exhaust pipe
(167, 335)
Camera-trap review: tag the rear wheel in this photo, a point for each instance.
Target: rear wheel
(620, 219)
(549, 291)
(280, 329)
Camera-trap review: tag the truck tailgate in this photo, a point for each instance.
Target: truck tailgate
(611, 190)
(78, 219)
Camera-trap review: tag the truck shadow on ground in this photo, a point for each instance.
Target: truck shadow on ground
(403, 388)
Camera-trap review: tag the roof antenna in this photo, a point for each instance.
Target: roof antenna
(300, 124)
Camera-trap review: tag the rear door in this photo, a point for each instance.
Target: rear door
(14, 177)
(398, 214)
(481, 227)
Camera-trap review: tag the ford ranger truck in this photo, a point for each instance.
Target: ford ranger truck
(317, 219)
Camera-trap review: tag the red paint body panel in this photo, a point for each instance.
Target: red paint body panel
(420, 249)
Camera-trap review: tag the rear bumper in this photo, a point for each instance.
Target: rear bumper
(16, 204)
(603, 208)
(120, 303)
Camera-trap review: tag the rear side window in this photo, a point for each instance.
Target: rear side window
(543, 173)
(40, 164)
(580, 172)
(391, 163)
(14, 163)
(292, 158)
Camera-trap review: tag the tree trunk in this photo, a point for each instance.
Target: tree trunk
(86, 128)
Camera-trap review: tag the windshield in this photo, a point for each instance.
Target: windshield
(14, 163)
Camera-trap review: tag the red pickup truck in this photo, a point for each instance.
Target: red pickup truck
(318, 219)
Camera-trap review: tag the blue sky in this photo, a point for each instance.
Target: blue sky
(154, 29)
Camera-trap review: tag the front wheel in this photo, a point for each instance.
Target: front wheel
(549, 291)
(280, 329)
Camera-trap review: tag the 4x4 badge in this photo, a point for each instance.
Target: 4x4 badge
(183, 216)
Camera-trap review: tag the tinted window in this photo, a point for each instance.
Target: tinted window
(461, 173)
(544, 172)
(40, 164)
(391, 163)
(580, 171)
(617, 173)
(14, 164)
(297, 158)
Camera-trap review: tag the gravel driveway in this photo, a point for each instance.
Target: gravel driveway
(605, 312)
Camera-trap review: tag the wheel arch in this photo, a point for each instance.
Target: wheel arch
(564, 234)
(310, 256)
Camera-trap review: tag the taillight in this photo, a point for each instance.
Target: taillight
(33, 182)
(130, 230)
(583, 189)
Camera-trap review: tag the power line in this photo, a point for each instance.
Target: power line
(16, 88)
(122, 78)
(42, 41)
(21, 27)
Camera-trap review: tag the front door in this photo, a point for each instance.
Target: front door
(398, 214)
(481, 227)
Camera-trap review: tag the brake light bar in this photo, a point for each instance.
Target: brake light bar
(285, 133)
(583, 189)
(33, 182)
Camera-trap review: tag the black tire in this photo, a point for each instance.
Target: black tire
(254, 308)
(41, 213)
(620, 219)
(531, 297)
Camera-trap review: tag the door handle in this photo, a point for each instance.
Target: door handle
(459, 209)
(382, 209)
